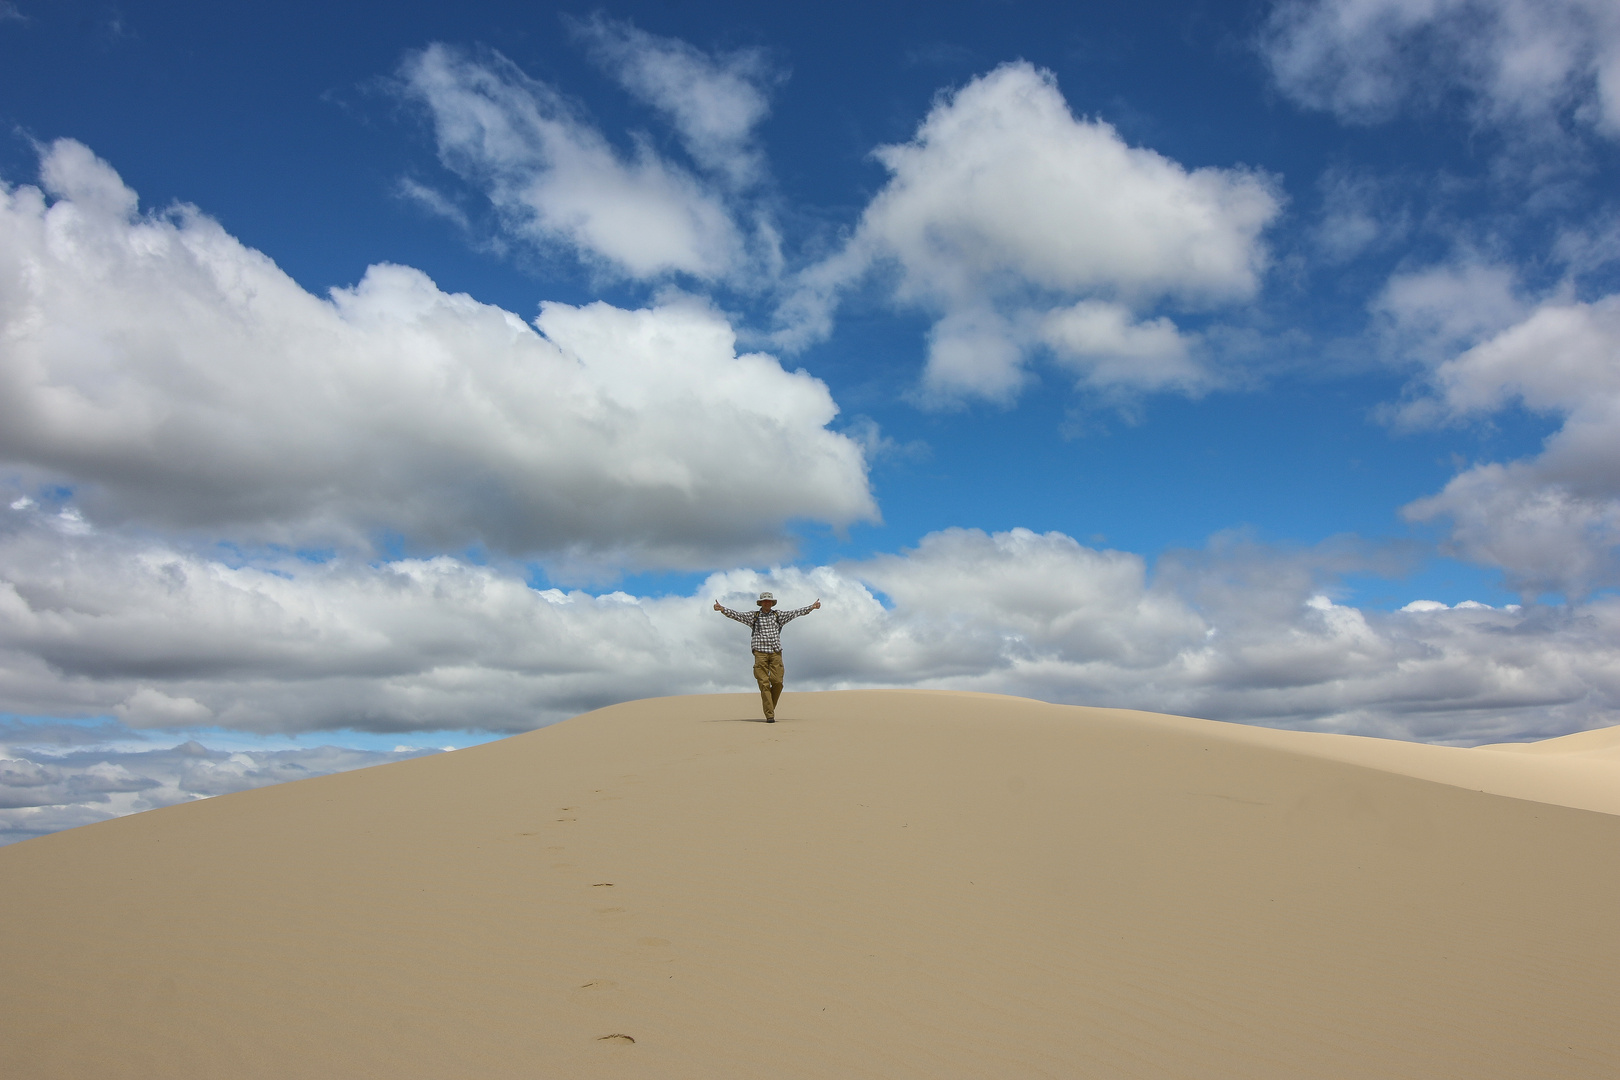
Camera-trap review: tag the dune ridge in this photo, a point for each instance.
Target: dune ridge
(1601, 744)
(884, 884)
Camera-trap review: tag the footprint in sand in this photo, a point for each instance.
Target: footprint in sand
(599, 990)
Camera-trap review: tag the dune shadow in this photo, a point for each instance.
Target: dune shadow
(742, 720)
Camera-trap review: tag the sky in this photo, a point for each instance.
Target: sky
(375, 381)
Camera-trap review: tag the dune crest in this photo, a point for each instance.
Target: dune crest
(1601, 744)
(883, 884)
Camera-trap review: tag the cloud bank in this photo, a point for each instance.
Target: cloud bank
(174, 378)
(94, 625)
(157, 637)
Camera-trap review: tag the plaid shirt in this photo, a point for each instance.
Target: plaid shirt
(767, 625)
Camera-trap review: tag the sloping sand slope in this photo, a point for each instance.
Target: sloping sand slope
(886, 884)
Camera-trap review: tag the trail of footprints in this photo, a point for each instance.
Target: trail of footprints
(597, 991)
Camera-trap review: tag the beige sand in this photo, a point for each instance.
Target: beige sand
(886, 884)
(1602, 744)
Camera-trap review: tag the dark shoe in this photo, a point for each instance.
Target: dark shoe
(770, 719)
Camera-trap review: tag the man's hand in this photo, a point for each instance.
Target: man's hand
(717, 606)
(815, 605)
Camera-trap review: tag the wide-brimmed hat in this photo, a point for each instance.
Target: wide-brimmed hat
(764, 596)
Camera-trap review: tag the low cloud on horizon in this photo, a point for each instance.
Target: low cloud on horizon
(50, 788)
(155, 638)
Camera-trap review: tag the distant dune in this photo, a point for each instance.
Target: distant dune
(884, 884)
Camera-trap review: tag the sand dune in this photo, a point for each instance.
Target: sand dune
(1602, 744)
(886, 884)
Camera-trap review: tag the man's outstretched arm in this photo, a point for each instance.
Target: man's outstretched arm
(728, 613)
(784, 617)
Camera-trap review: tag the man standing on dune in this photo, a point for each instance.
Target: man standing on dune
(767, 625)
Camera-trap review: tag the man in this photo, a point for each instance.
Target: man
(767, 625)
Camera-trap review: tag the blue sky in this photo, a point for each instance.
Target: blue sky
(1181, 356)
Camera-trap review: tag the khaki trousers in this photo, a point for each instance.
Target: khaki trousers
(768, 673)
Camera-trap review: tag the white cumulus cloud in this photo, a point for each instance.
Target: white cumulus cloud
(559, 183)
(171, 376)
(1005, 208)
